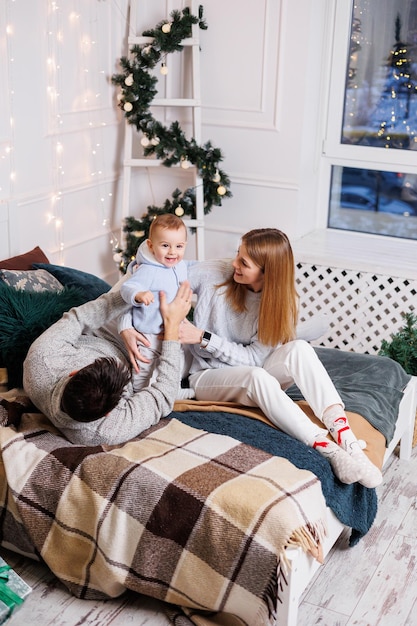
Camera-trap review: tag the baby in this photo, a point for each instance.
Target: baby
(160, 268)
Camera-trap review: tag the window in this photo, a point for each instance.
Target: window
(374, 201)
(371, 143)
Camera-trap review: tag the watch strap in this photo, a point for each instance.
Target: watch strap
(205, 338)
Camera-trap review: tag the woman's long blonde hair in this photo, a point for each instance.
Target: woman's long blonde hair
(270, 250)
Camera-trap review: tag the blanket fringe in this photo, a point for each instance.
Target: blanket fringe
(310, 539)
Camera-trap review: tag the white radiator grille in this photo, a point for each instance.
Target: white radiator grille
(362, 308)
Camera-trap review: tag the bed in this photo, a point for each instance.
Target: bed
(213, 510)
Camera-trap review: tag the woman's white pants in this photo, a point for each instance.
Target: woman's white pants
(264, 387)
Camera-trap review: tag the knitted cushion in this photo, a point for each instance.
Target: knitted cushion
(90, 284)
(31, 280)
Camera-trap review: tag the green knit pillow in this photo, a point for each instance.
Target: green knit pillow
(24, 315)
(93, 286)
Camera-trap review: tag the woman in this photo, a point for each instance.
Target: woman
(244, 349)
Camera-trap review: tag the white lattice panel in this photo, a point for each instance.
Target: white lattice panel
(362, 308)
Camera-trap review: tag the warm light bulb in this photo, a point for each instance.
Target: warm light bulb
(164, 69)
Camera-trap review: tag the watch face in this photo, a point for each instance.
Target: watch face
(206, 336)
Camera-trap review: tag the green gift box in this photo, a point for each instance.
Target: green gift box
(13, 591)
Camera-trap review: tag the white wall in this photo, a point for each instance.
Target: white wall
(59, 130)
(61, 135)
(260, 113)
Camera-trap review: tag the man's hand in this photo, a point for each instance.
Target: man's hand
(174, 312)
(131, 338)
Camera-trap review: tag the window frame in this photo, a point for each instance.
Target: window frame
(334, 152)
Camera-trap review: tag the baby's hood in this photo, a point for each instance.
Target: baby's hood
(146, 256)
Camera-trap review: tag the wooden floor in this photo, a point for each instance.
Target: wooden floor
(372, 584)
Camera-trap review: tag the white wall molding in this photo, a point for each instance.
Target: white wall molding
(246, 69)
(253, 181)
(44, 195)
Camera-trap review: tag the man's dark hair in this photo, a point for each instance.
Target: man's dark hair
(95, 390)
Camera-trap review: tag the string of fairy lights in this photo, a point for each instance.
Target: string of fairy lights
(79, 103)
(67, 28)
(75, 100)
(7, 163)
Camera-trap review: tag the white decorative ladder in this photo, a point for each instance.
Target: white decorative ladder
(194, 103)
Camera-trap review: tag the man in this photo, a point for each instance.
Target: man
(77, 372)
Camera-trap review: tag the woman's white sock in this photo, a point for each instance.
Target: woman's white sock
(335, 419)
(343, 464)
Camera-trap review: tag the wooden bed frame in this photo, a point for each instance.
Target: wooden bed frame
(304, 566)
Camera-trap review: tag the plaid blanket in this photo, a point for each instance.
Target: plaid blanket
(197, 519)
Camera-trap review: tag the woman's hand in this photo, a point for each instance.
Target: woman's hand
(189, 334)
(131, 339)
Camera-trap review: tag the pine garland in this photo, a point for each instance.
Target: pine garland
(403, 345)
(169, 144)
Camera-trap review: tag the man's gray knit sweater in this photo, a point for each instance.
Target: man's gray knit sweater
(75, 341)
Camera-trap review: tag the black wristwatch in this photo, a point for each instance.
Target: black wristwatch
(205, 338)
